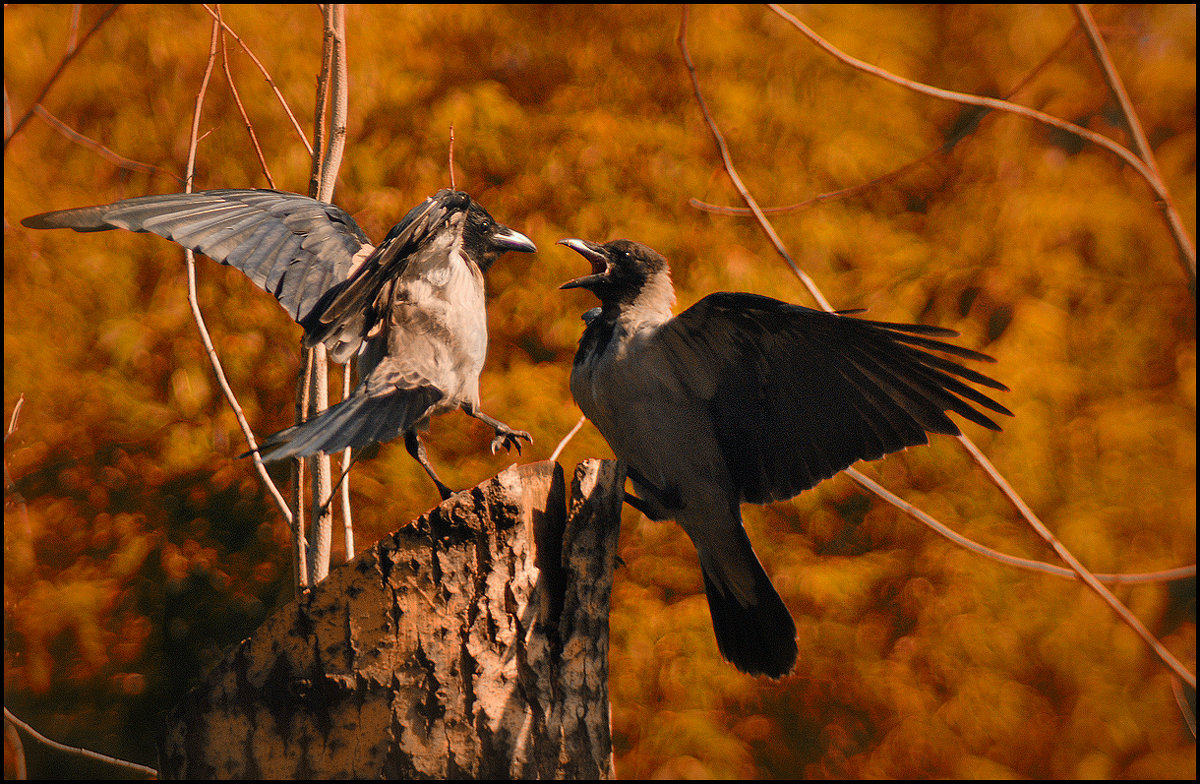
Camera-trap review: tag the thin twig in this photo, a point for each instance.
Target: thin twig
(558, 449)
(1140, 143)
(267, 76)
(1005, 488)
(1164, 575)
(194, 302)
(237, 100)
(1090, 579)
(731, 170)
(120, 161)
(72, 50)
(1186, 247)
(967, 127)
(93, 755)
(451, 155)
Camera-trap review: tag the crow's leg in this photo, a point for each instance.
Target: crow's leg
(505, 436)
(417, 450)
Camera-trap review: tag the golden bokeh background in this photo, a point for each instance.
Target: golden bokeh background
(137, 545)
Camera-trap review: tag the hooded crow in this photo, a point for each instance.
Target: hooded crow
(411, 310)
(743, 398)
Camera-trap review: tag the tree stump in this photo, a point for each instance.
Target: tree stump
(472, 643)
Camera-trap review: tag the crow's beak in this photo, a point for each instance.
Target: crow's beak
(595, 256)
(508, 239)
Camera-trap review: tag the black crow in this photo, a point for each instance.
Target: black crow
(743, 398)
(411, 310)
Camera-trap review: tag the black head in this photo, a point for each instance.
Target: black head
(483, 238)
(620, 268)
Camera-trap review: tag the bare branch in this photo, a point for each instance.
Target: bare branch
(1186, 247)
(335, 22)
(1086, 576)
(1090, 579)
(344, 484)
(808, 282)
(267, 76)
(966, 129)
(565, 439)
(1164, 575)
(237, 100)
(193, 298)
(116, 159)
(452, 187)
(92, 755)
(1140, 143)
(72, 50)
(334, 78)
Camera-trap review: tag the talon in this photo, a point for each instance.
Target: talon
(510, 438)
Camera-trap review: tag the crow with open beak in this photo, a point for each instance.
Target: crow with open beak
(743, 398)
(411, 309)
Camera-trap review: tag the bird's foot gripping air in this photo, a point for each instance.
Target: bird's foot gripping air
(508, 438)
(505, 436)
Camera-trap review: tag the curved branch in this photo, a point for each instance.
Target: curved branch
(1087, 577)
(1145, 170)
(194, 302)
(808, 282)
(1164, 575)
(72, 50)
(92, 755)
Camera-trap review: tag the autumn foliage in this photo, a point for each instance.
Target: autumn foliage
(137, 546)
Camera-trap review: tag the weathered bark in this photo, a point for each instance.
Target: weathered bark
(454, 648)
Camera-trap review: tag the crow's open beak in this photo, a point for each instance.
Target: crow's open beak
(595, 256)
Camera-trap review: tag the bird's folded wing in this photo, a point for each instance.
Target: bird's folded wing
(797, 395)
(340, 317)
(293, 247)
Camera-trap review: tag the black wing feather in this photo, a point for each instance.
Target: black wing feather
(799, 394)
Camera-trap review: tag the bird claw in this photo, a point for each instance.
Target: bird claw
(508, 439)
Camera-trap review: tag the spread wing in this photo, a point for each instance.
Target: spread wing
(291, 246)
(796, 395)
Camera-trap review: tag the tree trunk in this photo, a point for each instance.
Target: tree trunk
(472, 643)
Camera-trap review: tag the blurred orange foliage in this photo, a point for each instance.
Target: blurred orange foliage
(137, 546)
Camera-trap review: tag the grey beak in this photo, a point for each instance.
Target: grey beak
(510, 239)
(590, 251)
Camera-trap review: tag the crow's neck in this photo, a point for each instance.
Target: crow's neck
(650, 306)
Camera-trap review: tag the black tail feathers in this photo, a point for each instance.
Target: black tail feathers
(759, 638)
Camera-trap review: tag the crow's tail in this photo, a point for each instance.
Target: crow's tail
(755, 633)
(357, 421)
